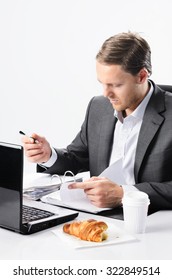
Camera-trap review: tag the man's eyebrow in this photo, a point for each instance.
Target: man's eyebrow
(107, 84)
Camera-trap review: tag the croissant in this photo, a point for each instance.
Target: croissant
(89, 230)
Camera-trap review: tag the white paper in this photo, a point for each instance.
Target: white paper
(69, 195)
(114, 173)
(115, 236)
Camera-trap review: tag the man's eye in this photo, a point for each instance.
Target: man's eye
(117, 85)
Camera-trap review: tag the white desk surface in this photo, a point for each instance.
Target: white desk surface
(154, 244)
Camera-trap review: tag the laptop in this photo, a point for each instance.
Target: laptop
(14, 215)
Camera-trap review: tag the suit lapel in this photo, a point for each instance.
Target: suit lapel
(151, 123)
(105, 140)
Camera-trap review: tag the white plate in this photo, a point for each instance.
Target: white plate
(115, 236)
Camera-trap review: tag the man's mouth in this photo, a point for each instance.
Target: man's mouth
(113, 101)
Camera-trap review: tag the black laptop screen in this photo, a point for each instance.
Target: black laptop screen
(11, 180)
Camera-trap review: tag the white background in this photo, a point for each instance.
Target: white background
(47, 59)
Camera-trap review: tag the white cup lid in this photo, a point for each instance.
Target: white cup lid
(135, 196)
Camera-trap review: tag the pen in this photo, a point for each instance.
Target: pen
(21, 132)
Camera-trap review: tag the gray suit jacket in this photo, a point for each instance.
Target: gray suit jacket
(91, 148)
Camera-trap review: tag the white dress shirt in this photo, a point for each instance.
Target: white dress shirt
(125, 140)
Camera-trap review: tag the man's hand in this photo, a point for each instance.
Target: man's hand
(101, 192)
(37, 148)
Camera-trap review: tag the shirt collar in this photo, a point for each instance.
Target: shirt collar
(139, 111)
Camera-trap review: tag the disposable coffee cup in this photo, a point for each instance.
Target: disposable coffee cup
(135, 209)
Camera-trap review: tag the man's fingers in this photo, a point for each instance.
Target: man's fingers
(94, 178)
(89, 184)
(38, 138)
(27, 140)
(82, 185)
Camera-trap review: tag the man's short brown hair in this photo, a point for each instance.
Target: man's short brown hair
(129, 50)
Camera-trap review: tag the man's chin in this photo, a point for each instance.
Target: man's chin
(116, 107)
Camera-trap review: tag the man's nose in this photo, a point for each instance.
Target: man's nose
(107, 91)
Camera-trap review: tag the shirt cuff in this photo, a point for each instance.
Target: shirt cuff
(128, 188)
(52, 159)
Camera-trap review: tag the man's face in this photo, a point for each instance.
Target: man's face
(123, 90)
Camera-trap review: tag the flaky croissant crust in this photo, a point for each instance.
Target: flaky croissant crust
(89, 230)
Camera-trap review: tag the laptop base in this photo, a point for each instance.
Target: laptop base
(39, 226)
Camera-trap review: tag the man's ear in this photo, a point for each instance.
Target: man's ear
(143, 75)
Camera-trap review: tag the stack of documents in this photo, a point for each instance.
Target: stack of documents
(43, 184)
(54, 189)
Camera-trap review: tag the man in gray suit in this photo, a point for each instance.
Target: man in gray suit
(131, 122)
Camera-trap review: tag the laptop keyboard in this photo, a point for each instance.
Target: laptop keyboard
(32, 214)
